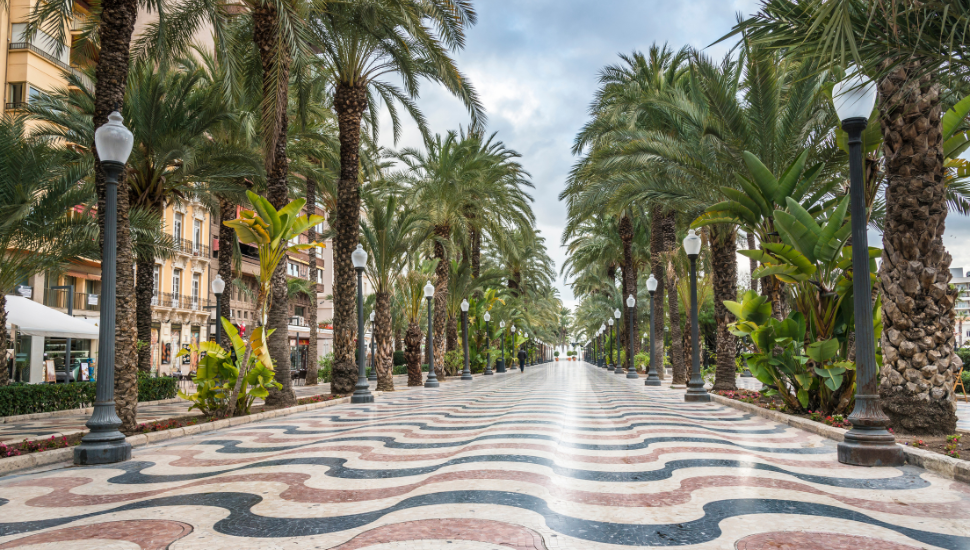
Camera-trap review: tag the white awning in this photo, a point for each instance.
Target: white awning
(36, 319)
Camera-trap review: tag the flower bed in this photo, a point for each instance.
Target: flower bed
(317, 399)
(948, 445)
(170, 424)
(37, 446)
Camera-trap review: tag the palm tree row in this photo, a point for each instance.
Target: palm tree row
(748, 150)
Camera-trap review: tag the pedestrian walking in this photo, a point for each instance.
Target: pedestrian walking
(522, 356)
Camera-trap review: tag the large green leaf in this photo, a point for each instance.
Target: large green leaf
(761, 176)
(788, 180)
(741, 198)
(832, 376)
(752, 191)
(954, 117)
(824, 350)
(710, 218)
(736, 209)
(803, 216)
(757, 255)
(793, 327)
(792, 256)
(828, 245)
(794, 233)
(774, 270)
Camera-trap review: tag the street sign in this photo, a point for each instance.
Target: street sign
(92, 299)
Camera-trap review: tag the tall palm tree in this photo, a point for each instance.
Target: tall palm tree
(391, 231)
(38, 188)
(360, 43)
(411, 285)
(902, 45)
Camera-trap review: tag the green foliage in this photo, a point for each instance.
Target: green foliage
(325, 368)
(964, 355)
(398, 359)
(454, 362)
(556, 354)
(19, 399)
(641, 361)
(156, 389)
(965, 376)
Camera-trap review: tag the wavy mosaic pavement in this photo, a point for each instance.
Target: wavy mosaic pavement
(563, 456)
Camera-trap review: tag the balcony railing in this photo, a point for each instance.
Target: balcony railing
(59, 297)
(191, 248)
(15, 105)
(30, 47)
(180, 301)
(85, 79)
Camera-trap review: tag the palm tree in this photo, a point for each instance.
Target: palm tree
(391, 231)
(38, 189)
(902, 45)
(411, 285)
(360, 43)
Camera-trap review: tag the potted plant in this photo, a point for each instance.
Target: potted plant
(556, 354)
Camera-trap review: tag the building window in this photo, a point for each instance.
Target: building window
(156, 274)
(299, 311)
(15, 94)
(33, 94)
(292, 269)
(320, 276)
(196, 284)
(176, 286)
(197, 236)
(177, 227)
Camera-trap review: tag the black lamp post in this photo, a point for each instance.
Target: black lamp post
(602, 346)
(695, 387)
(218, 287)
(488, 351)
(500, 364)
(432, 380)
(373, 358)
(466, 373)
(617, 365)
(609, 339)
(631, 372)
(362, 392)
(652, 378)
(868, 443)
(104, 444)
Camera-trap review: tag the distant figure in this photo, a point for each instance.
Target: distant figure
(522, 356)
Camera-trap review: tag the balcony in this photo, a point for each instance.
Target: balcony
(15, 105)
(82, 301)
(191, 248)
(180, 301)
(20, 46)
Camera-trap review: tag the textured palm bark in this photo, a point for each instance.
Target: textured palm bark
(384, 343)
(398, 341)
(452, 340)
(724, 264)
(115, 29)
(412, 353)
(919, 363)
(658, 243)
(274, 54)
(629, 287)
(144, 286)
(752, 263)
(311, 371)
(349, 102)
(4, 336)
(227, 239)
(475, 237)
(442, 272)
(678, 366)
(513, 284)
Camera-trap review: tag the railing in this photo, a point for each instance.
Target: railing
(30, 47)
(180, 301)
(15, 105)
(85, 79)
(59, 297)
(191, 248)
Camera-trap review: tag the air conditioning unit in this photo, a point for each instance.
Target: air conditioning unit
(302, 321)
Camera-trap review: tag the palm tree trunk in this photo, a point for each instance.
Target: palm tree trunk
(917, 341)
(752, 263)
(629, 287)
(384, 341)
(398, 341)
(442, 271)
(452, 333)
(115, 29)
(412, 352)
(144, 287)
(658, 243)
(678, 366)
(227, 239)
(724, 265)
(476, 239)
(311, 371)
(4, 373)
(349, 103)
(275, 60)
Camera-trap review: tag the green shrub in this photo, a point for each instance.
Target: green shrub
(156, 389)
(965, 375)
(454, 362)
(964, 355)
(399, 360)
(556, 354)
(325, 369)
(400, 369)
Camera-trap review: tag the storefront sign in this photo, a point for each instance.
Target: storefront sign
(92, 299)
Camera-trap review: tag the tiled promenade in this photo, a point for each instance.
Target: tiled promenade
(564, 456)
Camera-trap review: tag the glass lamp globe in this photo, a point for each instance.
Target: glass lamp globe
(359, 257)
(113, 140)
(501, 324)
(218, 285)
(372, 316)
(651, 284)
(487, 317)
(513, 329)
(616, 313)
(631, 301)
(854, 97)
(464, 306)
(428, 290)
(609, 321)
(692, 243)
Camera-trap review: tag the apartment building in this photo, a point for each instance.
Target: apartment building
(961, 324)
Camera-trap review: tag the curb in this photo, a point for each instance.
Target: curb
(34, 460)
(952, 468)
(69, 412)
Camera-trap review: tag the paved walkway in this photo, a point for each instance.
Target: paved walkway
(563, 456)
(57, 426)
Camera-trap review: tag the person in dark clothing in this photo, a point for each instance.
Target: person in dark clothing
(522, 356)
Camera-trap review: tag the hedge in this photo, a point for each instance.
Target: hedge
(37, 398)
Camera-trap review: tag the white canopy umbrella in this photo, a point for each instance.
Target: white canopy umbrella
(36, 319)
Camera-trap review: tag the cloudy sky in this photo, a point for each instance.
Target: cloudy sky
(535, 65)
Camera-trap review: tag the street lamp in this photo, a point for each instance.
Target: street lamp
(218, 287)
(104, 444)
(488, 352)
(466, 373)
(868, 443)
(652, 378)
(602, 346)
(500, 364)
(609, 338)
(432, 380)
(631, 372)
(362, 392)
(617, 366)
(373, 362)
(695, 388)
